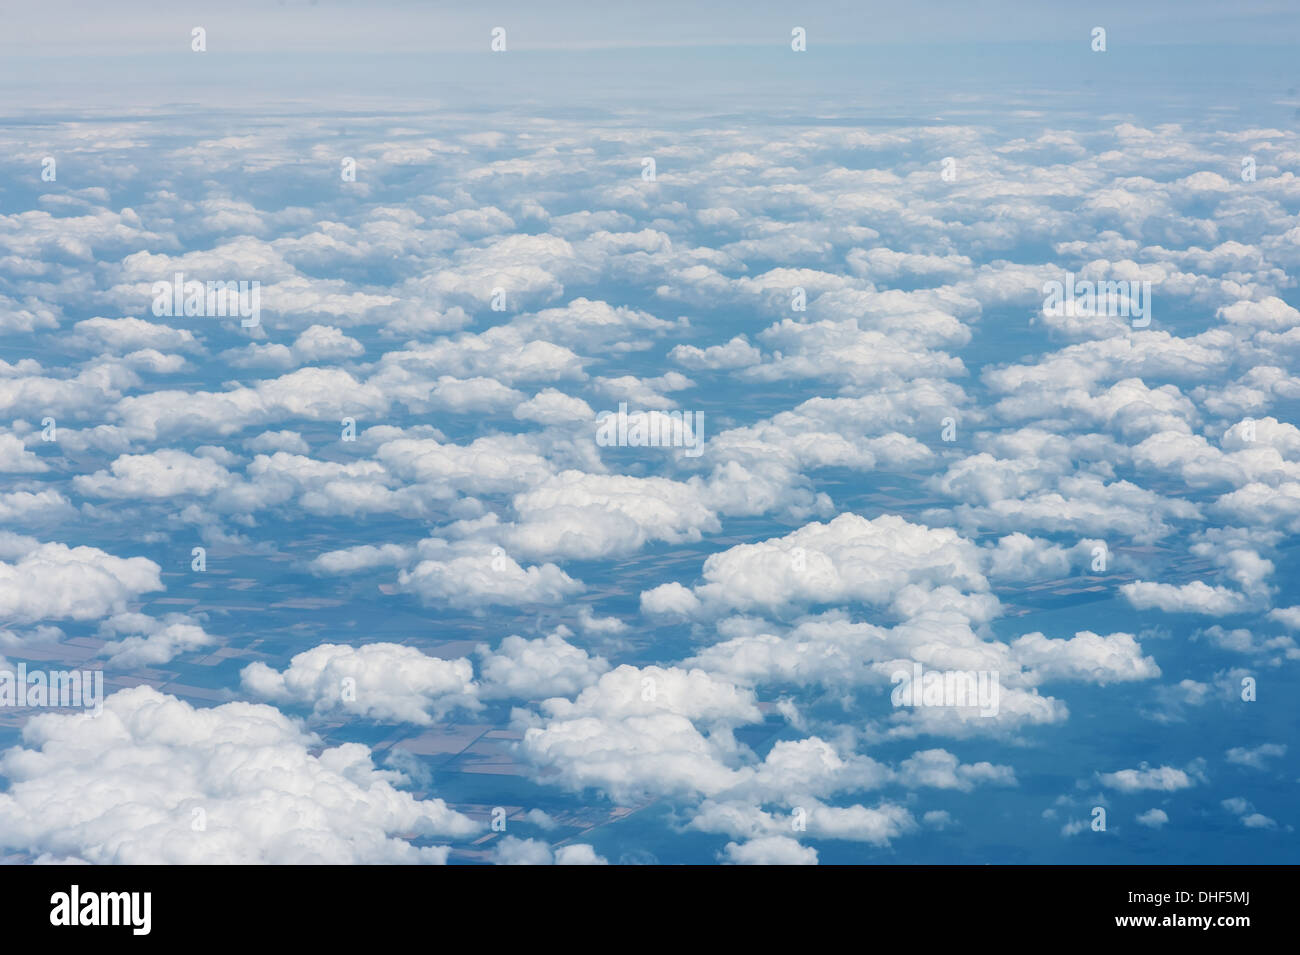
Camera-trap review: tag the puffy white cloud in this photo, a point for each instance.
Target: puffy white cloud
(513, 851)
(269, 442)
(362, 557)
(486, 465)
(1255, 757)
(320, 487)
(942, 770)
(21, 507)
(588, 622)
(27, 317)
(1160, 779)
(160, 474)
(737, 353)
(594, 515)
(1289, 617)
(325, 343)
(770, 850)
(984, 479)
(1242, 807)
(629, 691)
(670, 598)
(1271, 313)
(1274, 649)
(1021, 557)
(318, 343)
(386, 682)
(464, 396)
(22, 387)
(1259, 503)
(663, 754)
(644, 392)
(794, 770)
(503, 353)
(634, 732)
(1257, 820)
(16, 459)
(846, 355)
(878, 825)
(1194, 597)
(550, 406)
(1086, 656)
(313, 393)
(848, 559)
(56, 582)
(578, 853)
(534, 669)
(123, 335)
(129, 786)
(474, 574)
(762, 462)
(585, 323)
(1083, 505)
(882, 263)
(150, 641)
(1153, 818)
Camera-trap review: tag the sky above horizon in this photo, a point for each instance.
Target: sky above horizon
(78, 27)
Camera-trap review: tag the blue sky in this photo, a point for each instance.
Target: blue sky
(436, 620)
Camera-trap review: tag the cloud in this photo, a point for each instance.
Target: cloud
(634, 732)
(942, 770)
(1271, 314)
(1242, 808)
(122, 335)
(385, 682)
(737, 353)
(512, 851)
(1021, 557)
(770, 850)
(1086, 656)
(149, 641)
(851, 558)
(536, 669)
(268, 442)
(16, 459)
(595, 515)
(1257, 757)
(155, 781)
(1153, 818)
(475, 575)
(1195, 597)
(1160, 779)
(56, 582)
(161, 474)
(550, 407)
(609, 626)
